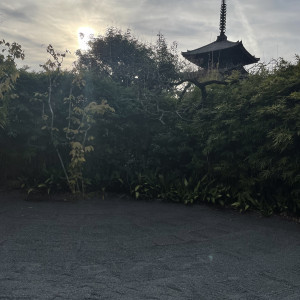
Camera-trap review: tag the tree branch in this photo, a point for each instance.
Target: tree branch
(201, 85)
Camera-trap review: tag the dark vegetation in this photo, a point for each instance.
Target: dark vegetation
(126, 119)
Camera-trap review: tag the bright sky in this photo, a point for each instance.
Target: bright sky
(268, 28)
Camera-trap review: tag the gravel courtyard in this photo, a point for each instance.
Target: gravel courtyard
(118, 248)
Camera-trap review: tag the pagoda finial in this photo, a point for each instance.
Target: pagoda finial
(222, 36)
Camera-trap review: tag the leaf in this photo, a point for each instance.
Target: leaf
(30, 190)
(236, 204)
(76, 145)
(185, 182)
(89, 149)
(42, 185)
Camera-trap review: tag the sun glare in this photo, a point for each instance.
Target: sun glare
(85, 34)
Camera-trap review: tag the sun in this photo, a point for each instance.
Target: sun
(85, 34)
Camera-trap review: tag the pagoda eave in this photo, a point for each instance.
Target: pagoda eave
(222, 54)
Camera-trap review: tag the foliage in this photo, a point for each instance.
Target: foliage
(149, 72)
(118, 123)
(129, 62)
(79, 117)
(8, 75)
(239, 149)
(249, 136)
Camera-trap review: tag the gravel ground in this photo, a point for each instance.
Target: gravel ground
(118, 248)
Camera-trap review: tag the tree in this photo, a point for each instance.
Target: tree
(8, 75)
(68, 118)
(132, 63)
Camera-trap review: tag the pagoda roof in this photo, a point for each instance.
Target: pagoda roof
(201, 55)
(215, 46)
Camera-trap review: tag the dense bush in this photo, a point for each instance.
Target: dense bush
(247, 138)
(119, 122)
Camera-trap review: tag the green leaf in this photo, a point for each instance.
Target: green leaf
(236, 204)
(185, 182)
(42, 185)
(30, 190)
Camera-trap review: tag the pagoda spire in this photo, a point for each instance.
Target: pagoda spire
(222, 36)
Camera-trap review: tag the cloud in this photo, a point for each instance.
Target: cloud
(17, 11)
(244, 21)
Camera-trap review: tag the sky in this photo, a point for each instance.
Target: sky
(268, 28)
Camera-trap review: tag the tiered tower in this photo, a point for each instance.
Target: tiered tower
(222, 54)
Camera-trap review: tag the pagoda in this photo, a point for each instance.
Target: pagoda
(222, 55)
